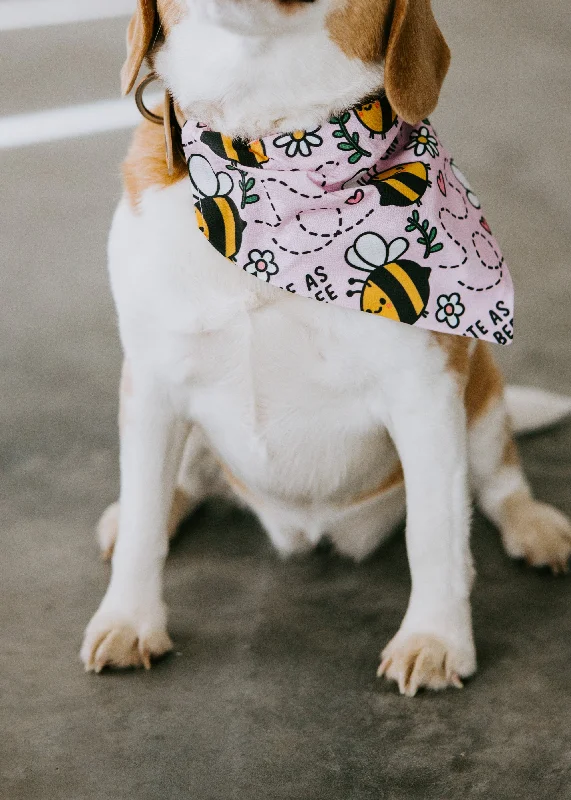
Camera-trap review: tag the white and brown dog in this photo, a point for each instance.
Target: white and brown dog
(318, 436)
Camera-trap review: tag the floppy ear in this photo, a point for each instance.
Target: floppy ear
(416, 60)
(140, 34)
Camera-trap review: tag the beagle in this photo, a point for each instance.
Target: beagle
(315, 415)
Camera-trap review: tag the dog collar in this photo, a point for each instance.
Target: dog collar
(365, 211)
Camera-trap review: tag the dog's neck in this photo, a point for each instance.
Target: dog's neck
(248, 85)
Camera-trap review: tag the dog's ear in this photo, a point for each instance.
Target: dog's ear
(416, 60)
(142, 28)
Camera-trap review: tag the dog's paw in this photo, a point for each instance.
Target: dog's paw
(537, 533)
(108, 525)
(424, 661)
(112, 641)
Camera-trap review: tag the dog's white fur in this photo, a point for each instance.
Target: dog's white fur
(300, 401)
(227, 65)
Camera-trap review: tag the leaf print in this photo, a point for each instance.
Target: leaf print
(427, 234)
(352, 140)
(246, 185)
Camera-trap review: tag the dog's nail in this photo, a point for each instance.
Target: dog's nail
(455, 679)
(146, 658)
(383, 667)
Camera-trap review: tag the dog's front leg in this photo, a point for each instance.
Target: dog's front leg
(434, 647)
(129, 628)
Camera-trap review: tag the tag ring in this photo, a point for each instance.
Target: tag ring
(139, 99)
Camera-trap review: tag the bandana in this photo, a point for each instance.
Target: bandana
(365, 211)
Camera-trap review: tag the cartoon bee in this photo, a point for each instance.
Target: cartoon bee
(216, 213)
(248, 154)
(396, 288)
(403, 185)
(377, 116)
(464, 181)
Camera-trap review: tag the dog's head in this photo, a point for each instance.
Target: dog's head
(400, 34)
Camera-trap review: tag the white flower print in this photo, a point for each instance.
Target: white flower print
(450, 309)
(299, 142)
(422, 141)
(262, 264)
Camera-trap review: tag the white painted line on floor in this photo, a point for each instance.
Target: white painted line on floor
(21, 14)
(72, 122)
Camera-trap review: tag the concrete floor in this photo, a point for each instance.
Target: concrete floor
(271, 692)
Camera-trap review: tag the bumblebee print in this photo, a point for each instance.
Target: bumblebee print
(395, 288)
(247, 154)
(216, 213)
(403, 185)
(377, 116)
(352, 213)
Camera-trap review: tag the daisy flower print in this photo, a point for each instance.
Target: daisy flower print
(450, 309)
(262, 264)
(299, 142)
(422, 141)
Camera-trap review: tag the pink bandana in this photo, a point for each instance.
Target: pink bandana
(365, 211)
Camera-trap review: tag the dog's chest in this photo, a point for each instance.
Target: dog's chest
(273, 379)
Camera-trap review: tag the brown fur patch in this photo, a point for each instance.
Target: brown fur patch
(457, 349)
(511, 455)
(417, 60)
(152, 20)
(140, 35)
(290, 6)
(146, 166)
(358, 28)
(485, 383)
(170, 13)
(478, 375)
(406, 35)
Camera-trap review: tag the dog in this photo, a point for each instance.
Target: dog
(315, 416)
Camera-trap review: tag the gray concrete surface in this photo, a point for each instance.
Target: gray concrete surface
(271, 693)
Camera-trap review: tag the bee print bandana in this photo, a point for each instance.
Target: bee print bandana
(365, 211)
